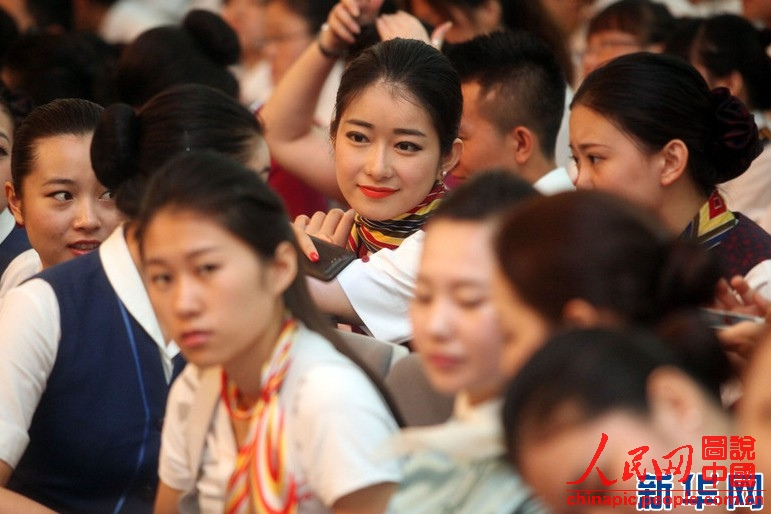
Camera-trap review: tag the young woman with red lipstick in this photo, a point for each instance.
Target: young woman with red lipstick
(54, 193)
(86, 367)
(394, 136)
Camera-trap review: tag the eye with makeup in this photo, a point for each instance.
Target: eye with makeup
(61, 196)
(408, 147)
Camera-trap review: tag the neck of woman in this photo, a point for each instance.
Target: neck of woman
(680, 204)
(245, 370)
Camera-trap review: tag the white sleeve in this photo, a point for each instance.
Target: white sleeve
(341, 422)
(173, 466)
(30, 328)
(25, 265)
(759, 278)
(380, 290)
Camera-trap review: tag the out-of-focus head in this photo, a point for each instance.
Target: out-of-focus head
(47, 66)
(290, 26)
(198, 51)
(247, 18)
(591, 259)
(456, 327)
(729, 51)
(618, 394)
(470, 18)
(625, 27)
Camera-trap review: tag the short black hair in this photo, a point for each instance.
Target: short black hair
(524, 74)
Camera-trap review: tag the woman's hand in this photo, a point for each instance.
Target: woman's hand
(333, 227)
(403, 24)
(345, 21)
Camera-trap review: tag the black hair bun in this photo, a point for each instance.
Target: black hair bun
(734, 138)
(213, 36)
(114, 146)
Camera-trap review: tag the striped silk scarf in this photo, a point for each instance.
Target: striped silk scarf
(368, 236)
(261, 482)
(712, 222)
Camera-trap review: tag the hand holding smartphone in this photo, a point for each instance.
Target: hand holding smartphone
(332, 260)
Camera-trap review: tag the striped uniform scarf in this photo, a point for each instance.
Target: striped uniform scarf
(368, 236)
(711, 223)
(261, 482)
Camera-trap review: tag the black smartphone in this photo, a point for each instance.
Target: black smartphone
(332, 260)
(716, 318)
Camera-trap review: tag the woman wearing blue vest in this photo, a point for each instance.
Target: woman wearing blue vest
(86, 368)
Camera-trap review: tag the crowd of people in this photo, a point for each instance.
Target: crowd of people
(555, 215)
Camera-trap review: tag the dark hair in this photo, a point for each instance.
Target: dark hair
(411, 68)
(581, 375)
(314, 12)
(51, 15)
(525, 77)
(485, 195)
(238, 200)
(681, 38)
(199, 51)
(9, 32)
(649, 22)
(728, 43)
(66, 116)
(532, 16)
(443, 7)
(69, 65)
(16, 105)
(597, 247)
(657, 98)
(128, 146)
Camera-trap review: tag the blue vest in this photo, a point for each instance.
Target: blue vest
(95, 436)
(12, 246)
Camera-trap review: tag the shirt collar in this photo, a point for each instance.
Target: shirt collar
(127, 282)
(7, 222)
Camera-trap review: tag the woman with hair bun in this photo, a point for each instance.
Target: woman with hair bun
(198, 51)
(587, 258)
(648, 127)
(86, 368)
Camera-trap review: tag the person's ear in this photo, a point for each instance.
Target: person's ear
(677, 402)
(489, 13)
(674, 161)
(523, 142)
(451, 158)
(283, 268)
(14, 203)
(577, 312)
